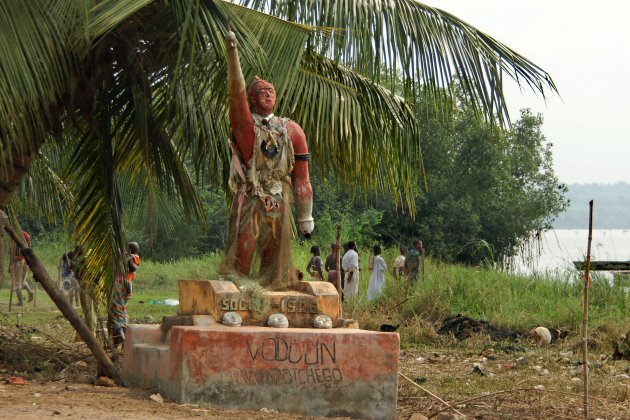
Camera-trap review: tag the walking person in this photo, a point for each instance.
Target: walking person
(121, 294)
(399, 263)
(350, 265)
(377, 277)
(18, 270)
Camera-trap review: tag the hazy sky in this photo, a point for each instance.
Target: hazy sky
(585, 46)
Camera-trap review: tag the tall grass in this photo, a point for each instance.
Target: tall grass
(505, 300)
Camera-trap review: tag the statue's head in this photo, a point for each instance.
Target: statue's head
(262, 96)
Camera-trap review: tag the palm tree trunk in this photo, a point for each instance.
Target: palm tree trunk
(15, 168)
(41, 275)
(2, 259)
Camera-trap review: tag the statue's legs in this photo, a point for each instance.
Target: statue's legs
(246, 239)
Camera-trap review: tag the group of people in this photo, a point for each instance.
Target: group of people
(406, 264)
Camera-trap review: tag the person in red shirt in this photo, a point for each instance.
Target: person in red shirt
(18, 270)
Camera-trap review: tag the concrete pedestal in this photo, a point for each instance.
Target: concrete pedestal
(301, 306)
(336, 372)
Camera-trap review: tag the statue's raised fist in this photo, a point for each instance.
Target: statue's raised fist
(230, 40)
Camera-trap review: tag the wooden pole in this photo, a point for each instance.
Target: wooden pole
(41, 275)
(587, 284)
(11, 286)
(423, 278)
(338, 270)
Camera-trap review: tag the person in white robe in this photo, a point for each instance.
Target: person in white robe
(350, 265)
(377, 278)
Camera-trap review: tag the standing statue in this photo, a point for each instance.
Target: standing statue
(269, 169)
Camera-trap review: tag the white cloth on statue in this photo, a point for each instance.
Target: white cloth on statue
(350, 264)
(377, 278)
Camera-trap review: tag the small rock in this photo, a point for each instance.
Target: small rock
(418, 416)
(278, 321)
(478, 370)
(545, 372)
(576, 380)
(623, 376)
(157, 398)
(37, 395)
(56, 413)
(420, 380)
(71, 388)
(104, 381)
(537, 368)
(322, 321)
(447, 416)
(421, 360)
(539, 387)
(521, 361)
(232, 319)
(492, 357)
(81, 363)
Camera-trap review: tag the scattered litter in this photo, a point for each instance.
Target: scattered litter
(104, 381)
(16, 380)
(478, 370)
(157, 398)
(462, 327)
(167, 302)
(268, 410)
(539, 387)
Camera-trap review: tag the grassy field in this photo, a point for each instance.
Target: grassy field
(506, 301)
(518, 379)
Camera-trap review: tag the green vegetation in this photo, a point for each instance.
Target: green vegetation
(504, 300)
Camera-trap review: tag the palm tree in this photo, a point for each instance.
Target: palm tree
(132, 93)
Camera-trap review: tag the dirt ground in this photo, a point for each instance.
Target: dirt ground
(536, 384)
(477, 378)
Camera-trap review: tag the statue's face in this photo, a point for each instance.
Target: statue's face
(263, 99)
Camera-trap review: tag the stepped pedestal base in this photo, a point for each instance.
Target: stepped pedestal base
(335, 372)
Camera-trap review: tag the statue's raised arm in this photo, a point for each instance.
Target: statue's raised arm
(270, 165)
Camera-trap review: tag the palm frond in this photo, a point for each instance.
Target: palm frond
(421, 42)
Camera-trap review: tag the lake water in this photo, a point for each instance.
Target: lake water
(560, 247)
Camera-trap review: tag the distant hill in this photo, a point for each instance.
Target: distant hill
(611, 206)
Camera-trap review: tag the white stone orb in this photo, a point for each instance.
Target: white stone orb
(322, 321)
(278, 321)
(232, 319)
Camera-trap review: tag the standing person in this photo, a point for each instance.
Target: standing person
(412, 262)
(399, 263)
(314, 266)
(70, 285)
(350, 264)
(121, 293)
(331, 265)
(377, 278)
(18, 270)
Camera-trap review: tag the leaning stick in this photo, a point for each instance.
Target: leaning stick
(587, 283)
(428, 392)
(338, 270)
(41, 275)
